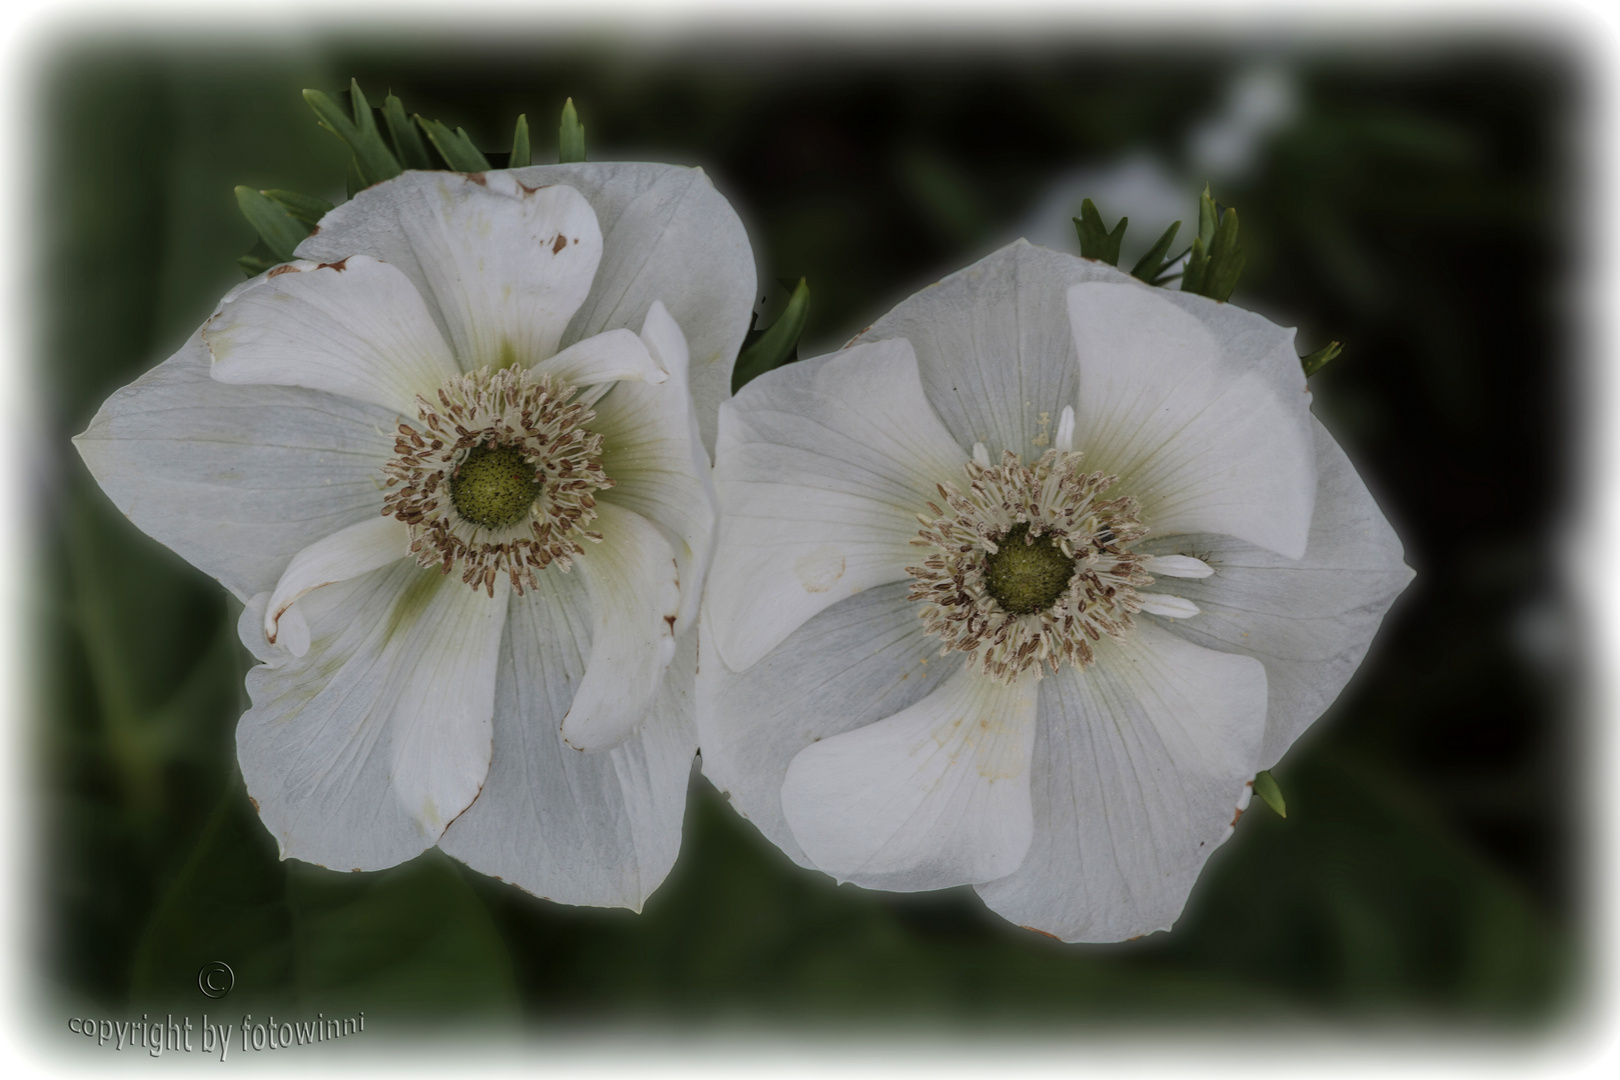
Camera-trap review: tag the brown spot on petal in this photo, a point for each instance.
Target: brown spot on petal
(559, 245)
(671, 620)
(278, 271)
(1235, 818)
(255, 803)
(339, 266)
(477, 178)
(1043, 933)
(357, 870)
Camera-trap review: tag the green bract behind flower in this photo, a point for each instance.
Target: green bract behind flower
(1022, 587)
(449, 458)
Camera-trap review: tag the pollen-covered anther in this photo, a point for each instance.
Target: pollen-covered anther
(499, 478)
(1029, 565)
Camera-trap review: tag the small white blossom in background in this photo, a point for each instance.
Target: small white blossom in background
(1023, 586)
(450, 461)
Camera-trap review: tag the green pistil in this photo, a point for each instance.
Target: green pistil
(1027, 577)
(495, 486)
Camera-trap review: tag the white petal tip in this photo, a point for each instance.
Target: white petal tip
(1065, 432)
(1171, 607)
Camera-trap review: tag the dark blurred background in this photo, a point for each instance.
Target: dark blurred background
(1419, 201)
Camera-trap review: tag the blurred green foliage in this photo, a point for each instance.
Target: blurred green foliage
(1418, 206)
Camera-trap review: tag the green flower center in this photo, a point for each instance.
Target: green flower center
(1027, 576)
(495, 486)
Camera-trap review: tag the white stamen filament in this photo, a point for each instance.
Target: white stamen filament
(981, 455)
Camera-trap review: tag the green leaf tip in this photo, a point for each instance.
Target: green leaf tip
(374, 162)
(570, 136)
(1265, 786)
(276, 225)
(1216, 259)
(1152, 266)
(1318, 360)
(520, 144)
(408, 145)
(778, 344)
(455, 147)
(1096, 242)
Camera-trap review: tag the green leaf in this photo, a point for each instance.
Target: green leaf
(408, 144)
(1216, 258)
(1265, 786)
(1151, 267)
(1096, 242)
(415, 939)
(777, 345)
(306, 208)
(253, 264)
(275, 224)
(1208, 216)
(372, 159)
(455, 147)
(570, 136)
(1318, 360)
(520, 144)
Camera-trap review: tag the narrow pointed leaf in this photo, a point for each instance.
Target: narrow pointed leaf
(254, 265)
(1265, 786)
(454, 146)
(408, 144)
(1317, 360)
(373, 161)
(306, 208)
(520, 144)
(1208, 217)
(1192, 278)
(778, 344)
(1226, 259)
(276, 226)
(1096, 242)
(570, 136)
(1151, 266)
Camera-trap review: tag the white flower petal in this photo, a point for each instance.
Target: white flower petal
(504, 265)
(360, 753)
(356, 327)
(607, 357)
(365, 545)
(236, 479)
(600, 828)
(848, 667)
(1310, 622)
(666, 235)
(994, 347)
(822, 467)
(1200, 408)
(934, 796)
(1140, 762)
(652, 450)
(632, 580)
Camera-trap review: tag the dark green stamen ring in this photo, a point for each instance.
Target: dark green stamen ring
(1026, 577)
(494, 486)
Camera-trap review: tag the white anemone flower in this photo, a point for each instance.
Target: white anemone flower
(1024, 585)
(450, 461)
